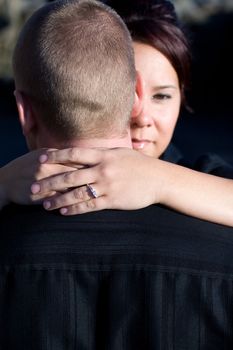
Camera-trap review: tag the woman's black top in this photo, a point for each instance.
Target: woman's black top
(209, 163)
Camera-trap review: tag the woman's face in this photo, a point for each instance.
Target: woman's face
(152, 128)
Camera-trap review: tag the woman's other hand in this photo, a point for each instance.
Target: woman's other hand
(17, 176)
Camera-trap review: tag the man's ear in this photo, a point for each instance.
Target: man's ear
(25, 111)
(139, 95)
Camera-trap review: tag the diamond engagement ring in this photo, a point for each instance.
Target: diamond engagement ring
(92, 191)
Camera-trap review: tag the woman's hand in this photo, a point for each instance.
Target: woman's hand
(121, 178)
(17, 176)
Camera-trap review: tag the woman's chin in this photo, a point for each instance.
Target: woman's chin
(148, 151)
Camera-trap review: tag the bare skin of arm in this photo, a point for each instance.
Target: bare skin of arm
(126, 179)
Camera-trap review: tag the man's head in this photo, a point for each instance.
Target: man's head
(74, 72)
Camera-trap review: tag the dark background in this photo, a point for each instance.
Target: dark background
(208, 129)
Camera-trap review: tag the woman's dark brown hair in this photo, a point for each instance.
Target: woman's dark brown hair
(155, 23)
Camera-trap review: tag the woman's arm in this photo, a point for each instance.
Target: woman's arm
(126, 179)
(198, 194)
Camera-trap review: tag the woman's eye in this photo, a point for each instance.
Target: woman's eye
(161, 97)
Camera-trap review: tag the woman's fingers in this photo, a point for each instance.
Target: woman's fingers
(64, 181)
(79, 156)
(74, 196)
(91, 205)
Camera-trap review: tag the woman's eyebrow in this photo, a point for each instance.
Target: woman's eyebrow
(159, 87)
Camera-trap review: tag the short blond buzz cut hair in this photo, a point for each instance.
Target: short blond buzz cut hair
(74, 59)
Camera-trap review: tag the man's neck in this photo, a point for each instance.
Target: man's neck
(103, 143)
(111, 142)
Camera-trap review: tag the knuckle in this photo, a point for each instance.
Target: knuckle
(78, 194)
(75, 209)
(72, 154)
(47, 185)
(67, 178)
(61, 201)
(73, 177)
(82, 207)
(106, 172)
(90, 204)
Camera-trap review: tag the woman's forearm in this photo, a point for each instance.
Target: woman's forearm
(197, 194)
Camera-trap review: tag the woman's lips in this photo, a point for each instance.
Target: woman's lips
(140, 144)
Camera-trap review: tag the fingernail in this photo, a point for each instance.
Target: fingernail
(35, 188)
(47, 204)
(63, 211)
(43, 158)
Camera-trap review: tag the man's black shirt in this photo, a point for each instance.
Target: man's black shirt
(143, 279)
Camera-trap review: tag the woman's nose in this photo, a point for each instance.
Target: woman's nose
(142, 119)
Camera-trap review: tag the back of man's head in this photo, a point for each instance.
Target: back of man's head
(75, 62)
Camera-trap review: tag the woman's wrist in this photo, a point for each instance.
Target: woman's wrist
(166, 179)
(156, 177)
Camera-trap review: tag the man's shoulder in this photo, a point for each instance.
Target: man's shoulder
(154, 217)
(153, 235)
